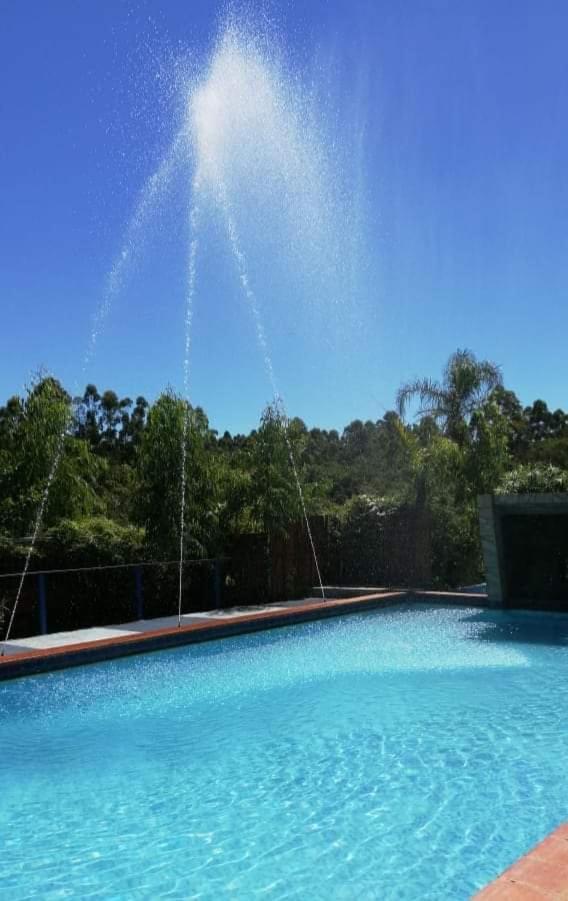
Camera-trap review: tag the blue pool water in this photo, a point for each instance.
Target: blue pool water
(410, 753)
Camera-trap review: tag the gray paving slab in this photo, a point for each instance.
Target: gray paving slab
(136, 627)
(232, 612)
(96, 633)
(303, 602)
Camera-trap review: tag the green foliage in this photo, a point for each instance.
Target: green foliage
(361, 536)
(487, 448)
(456, 550)
(276, 449)
(465, 384)
(440, 469)
(534, 478)
(91, 540)
(171, 422)
(33, 440)
(114, 494)
(106, 423)
(446, 491)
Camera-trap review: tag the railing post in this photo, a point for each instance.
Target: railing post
(218, 583)
(42, 598)
(139, 592)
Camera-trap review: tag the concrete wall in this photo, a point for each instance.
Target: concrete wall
(492, 509)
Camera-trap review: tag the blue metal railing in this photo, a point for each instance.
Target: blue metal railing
(42, 576)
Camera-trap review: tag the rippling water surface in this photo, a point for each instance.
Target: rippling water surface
(406, 754)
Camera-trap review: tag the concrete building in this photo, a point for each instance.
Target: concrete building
(525, 548)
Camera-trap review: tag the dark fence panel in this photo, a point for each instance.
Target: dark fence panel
(27, 620)
(99, 596)
(392, 549)
(388, 550)
(536, 560)
(79, 600)
(246, 572)
(408, 548)
(161, 588)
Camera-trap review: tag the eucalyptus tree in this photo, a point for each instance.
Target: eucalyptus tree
(38, 451)
(161, 477)
(274, 498)
(87, 415)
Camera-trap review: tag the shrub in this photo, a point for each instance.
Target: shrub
(534, 478)
(92, 540)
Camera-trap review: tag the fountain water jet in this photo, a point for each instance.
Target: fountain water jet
(148, 199)
(250, 131)
(35, 533)
(193, 247)
(263, 344)
(254, 138)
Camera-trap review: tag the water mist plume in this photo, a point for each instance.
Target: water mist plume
(256, 153)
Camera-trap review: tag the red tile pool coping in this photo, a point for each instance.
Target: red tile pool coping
(34, 661)
(542, 873)
(30, 662)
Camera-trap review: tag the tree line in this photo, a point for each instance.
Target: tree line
(113, 468)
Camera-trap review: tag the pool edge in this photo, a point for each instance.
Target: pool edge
(540, 873)
(34, 662)
(28, 663)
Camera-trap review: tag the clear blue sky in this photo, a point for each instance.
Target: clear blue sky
(465, 181)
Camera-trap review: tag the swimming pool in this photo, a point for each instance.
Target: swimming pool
(411, 753)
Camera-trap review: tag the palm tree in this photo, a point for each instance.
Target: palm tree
(465, 384)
